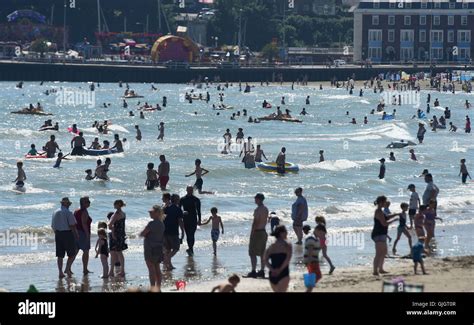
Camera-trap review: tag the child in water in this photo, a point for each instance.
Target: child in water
(33, 151)
(60, 158)
(21, 176)
(151, 177)
(102, 249)
(89, 176)
(216, 222)
(228, 287)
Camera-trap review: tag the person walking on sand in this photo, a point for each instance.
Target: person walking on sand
(417, 255)
(161, 129)
(299, 214)
(277, 258)
(215, 232)
(191, 217)
(379, 235)
(280, 161)
(83, 226)
(117, 238)
(65, 235)
(199, 172)
(320, 231)
(173, 222)
(463, 171)
(402, 228)
(258, 237)
(153, 235)
(163, 172)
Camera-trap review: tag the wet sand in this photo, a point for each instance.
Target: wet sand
(450, 274)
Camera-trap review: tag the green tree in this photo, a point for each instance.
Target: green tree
(270, 51)
(39, 46)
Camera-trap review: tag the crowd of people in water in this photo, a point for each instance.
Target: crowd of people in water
(178, 217)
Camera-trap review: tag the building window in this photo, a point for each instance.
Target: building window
(422, 20)
(437, 4)
(391, 20)
(391, 35)
(406, 53)
(450, 20)
(422, 35)
(375, 20)
(406, 35)
(375, 52)
(408, 4)
(464, 20)
(376, 4)
(407, 20)
(464, 53)
(391, 5)
(437, 36)
(424, 4)
(465, 5)
(437, 54)
(375, 35)
(436, 20)
(450, 36)
(464, 36)
(452, 5)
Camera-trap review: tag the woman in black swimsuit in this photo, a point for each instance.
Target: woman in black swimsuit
(277, 259)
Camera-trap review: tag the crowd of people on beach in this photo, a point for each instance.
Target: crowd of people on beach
(178, 217)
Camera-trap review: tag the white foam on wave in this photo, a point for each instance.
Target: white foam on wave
(363, 101)
(18, 132)
(458, 149)
(32, 207)
(333, 165)
(338, 165)
(118, 128)
(29, 189)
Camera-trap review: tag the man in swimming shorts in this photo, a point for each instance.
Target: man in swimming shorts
(258, 237)
(163, 172)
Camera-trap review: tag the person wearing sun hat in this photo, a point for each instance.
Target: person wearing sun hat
(63, 224)
(153, 245)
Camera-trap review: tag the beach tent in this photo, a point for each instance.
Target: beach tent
(174, 48)
(30, 14)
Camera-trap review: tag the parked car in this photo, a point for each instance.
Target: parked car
(338, 62)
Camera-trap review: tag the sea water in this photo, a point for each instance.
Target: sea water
(342, 188)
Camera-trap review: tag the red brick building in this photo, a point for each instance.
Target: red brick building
(421, 30)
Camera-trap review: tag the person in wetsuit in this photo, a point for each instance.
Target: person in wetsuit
(191, 217)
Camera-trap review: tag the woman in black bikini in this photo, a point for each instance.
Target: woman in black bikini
(277, 259)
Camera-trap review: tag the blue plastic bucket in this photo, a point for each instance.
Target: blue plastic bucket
(309, 280)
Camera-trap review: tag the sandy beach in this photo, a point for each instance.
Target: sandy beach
(450, 274)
